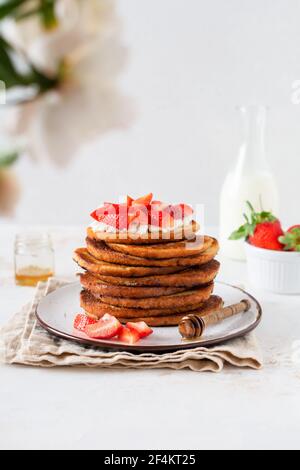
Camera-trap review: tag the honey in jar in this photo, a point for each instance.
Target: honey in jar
(34, 258)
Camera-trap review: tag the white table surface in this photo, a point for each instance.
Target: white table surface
(161, 409)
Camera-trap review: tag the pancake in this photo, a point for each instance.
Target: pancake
(188, 278)
(187, 232)
(169, 250)
(103, 252)
(86, 261)
(183, 299)
(213, 304)
(97, 309)
(92, 284)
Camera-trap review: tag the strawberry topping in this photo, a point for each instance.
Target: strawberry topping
(142, 211)
(145, 200)
(114, 215)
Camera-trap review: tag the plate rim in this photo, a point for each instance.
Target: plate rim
(149, 349)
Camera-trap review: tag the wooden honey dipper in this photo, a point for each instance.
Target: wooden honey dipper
(193, 326)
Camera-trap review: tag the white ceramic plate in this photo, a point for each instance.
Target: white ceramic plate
(56, 313)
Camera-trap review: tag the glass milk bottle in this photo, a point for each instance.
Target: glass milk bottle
(250, 180)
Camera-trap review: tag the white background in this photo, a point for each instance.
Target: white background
(191, 62)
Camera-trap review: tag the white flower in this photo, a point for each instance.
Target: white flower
(64, 122)
(79, 23)
(87, 103)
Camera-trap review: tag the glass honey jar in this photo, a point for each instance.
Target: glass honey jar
(34, 258)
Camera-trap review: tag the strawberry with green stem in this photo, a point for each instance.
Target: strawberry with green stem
(262, 229)
(291, 239)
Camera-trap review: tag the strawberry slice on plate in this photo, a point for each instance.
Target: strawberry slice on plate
(82, 321)
(129, 336)
(106, 328)
(141, 327)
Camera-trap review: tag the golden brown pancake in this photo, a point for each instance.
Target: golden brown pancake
(187, 232)
(96, 308)
(188, 278)
(103, 252)
(86, 261)
(92, 284)
(183, 299)
(169, 250)
(213, 304)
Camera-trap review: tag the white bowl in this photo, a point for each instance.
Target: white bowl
(276, 271)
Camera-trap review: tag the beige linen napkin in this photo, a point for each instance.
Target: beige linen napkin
(24, 341)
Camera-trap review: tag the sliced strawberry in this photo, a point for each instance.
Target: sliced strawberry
(112, 205)
(114, 215)
(161, 216)
(139, 214)
(141, 328)
(82, 321)
(168, 218)
(180, 211)
(157, 203)
(106, 328)
(145, 200)
(108, 208)
(98, 213)
(117, 221)
(129, 201)
(128, 336)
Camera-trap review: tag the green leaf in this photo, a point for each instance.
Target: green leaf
(291, 240)
(250, 207)
(45, 9)
(9, 6)
(246, 218)
(266, 217)
(8, 73)
(248, 229)
(48, 15)
(12, 77)
(238, 234)
(8, 159)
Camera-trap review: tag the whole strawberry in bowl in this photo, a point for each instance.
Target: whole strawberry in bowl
(291, 239)
(273, 255)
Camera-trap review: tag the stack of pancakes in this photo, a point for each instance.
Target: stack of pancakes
(156, 281)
